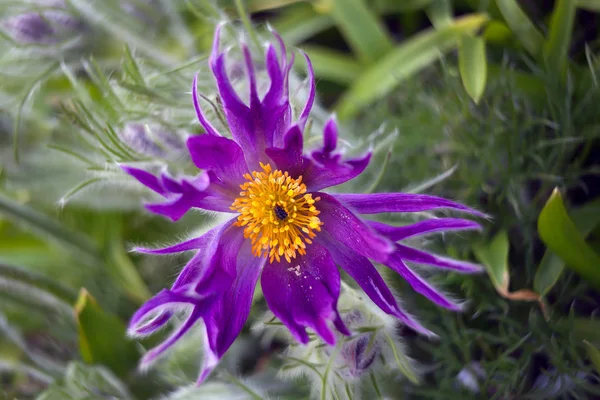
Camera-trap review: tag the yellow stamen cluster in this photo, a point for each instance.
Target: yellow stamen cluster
(277, 214)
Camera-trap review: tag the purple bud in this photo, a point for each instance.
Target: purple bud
(154, 141)
(47, 27)
(359, 354)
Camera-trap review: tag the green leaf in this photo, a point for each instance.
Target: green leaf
(362, 29)
(591, 5)
(124, 272)
(300, 22)
(556, 47)
(529, 36)
(594, 355)
(121, 25)
(473, 65)
(102, 337)
(559, 233)
(440, 13)
(404, 61)
(583, 329)
(333, 65)
(497, 32)
(48, 228)
(585, 218)
(38, 281)
(494, 256)
(86, 382)
(403, 362)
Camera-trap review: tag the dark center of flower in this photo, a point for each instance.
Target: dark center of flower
(280, 212)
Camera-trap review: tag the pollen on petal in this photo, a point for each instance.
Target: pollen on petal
(277, 214)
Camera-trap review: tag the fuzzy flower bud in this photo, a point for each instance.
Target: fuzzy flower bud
(44, 27)
(152, 140)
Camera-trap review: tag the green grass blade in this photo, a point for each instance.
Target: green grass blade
(362, 29)
(402, 62)
(333, 65)
(559, 233)
(473, 65)
(529, 36)
(556, 47)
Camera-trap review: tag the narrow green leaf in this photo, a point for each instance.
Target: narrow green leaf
(121, 25)
(591, 5)
(395, 6)
(125, 273)
(559, 233)
(440, 13)
(594, 355)
(39, 281)
(402, 361)
(556, 47)
(402, 62)
(529, 36)
(362, 29)
(86, 382)
(48, 227)
(585, 218)
(300, 23)
(102, 337)
(494, 256)
(473, 65)
(333, 65)
(35, 83)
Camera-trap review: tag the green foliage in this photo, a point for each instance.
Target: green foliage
(491, 103)
(114, 350)
(561, 235)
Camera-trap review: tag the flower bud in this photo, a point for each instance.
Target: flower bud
(50, 26)
(152, 140)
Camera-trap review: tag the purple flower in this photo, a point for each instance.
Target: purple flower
(284, 228)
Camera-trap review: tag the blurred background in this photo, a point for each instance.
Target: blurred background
(493, 103)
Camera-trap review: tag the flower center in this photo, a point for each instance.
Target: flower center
(276, 213)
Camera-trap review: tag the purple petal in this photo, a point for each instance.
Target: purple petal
(254, 100)
(419, 284)
(204, 268)
(181, 196)
(275, 94)
(318, 177)
(228, 315)
(303, 294)
(324, 168)
(154, 324)
(262, 124)
(222, 156)
(399, 202)
(350, 230)
(311, 94)
(420, 228)
(289, 158)
(422, 257)
(145, 178)
(365, 274)
(199, 113)
(166, 300)
(157, 351)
